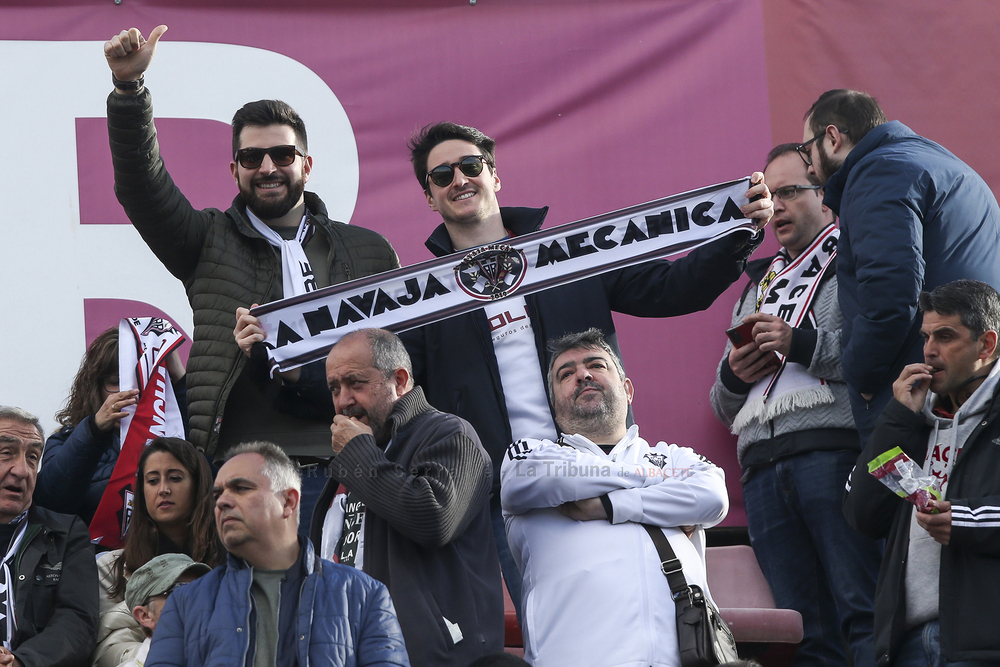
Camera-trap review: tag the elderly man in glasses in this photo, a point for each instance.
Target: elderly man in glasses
(487, 366)
(913, 217)
(275, 241)
(797, 441)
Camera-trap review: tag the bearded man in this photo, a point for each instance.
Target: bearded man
(408, 503)
(578, 511)
(274, 242)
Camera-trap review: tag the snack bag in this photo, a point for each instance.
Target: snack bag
(905, 478)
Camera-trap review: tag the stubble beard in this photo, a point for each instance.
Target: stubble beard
(590, 418)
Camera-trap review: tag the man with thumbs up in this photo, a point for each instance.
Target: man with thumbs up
(275, 241)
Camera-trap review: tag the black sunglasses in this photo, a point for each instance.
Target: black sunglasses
(281, 156)
(443, 174)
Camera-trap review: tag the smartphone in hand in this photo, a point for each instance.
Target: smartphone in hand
(741, 335)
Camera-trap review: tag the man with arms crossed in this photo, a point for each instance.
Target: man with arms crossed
(939, 581)
(594, 593)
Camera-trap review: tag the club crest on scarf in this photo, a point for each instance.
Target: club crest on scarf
(491, 272)
(762, 290)
(125, 513)
(158, 326)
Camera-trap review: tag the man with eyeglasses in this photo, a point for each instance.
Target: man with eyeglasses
(275, 241)
(912, 217)
(797, 441)
(486, 366)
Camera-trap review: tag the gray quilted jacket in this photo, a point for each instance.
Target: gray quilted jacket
(222, 260)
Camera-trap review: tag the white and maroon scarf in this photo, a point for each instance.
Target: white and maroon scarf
(143, 345)
(787, 291)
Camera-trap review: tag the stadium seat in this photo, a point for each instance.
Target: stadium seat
(744, 599)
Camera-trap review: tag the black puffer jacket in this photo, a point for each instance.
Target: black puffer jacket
(222, 260)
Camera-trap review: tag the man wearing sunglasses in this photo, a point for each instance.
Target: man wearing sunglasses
(275, 241)
(912, 217)
(797, 442)
(486, 366)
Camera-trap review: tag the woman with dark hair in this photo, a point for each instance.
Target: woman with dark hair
(80, 457)
(172, 512)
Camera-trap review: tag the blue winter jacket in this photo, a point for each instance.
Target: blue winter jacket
(912, 217)
(346, 619)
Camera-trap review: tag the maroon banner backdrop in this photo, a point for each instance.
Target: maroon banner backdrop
(595, 106)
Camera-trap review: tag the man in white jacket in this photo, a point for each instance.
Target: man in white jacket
(593, 590)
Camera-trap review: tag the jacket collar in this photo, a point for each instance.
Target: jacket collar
(410, 404)
(584, 443)
(881, 135)
(518, 219)
(308, 559)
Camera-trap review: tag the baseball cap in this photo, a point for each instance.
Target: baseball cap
(158, 576)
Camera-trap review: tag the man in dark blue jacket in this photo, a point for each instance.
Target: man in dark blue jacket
(486, 366)
(274, 602)
(912, 216)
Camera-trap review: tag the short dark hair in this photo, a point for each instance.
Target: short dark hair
(780, 150)
(851, 111)
(269, 112)
(591, 339)
(976, 304)
(424, 140)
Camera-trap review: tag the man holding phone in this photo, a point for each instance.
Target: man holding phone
(780, 387)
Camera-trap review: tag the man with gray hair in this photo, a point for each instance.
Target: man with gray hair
(578, 510)
(48, 576)
(408, 502)
(274, 602)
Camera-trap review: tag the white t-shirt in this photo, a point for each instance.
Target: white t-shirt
(521, 374)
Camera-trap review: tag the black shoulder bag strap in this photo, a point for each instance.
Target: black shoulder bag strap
(670, 565)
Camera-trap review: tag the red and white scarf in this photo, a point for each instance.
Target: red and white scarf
(143, 345)
(787, 291)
